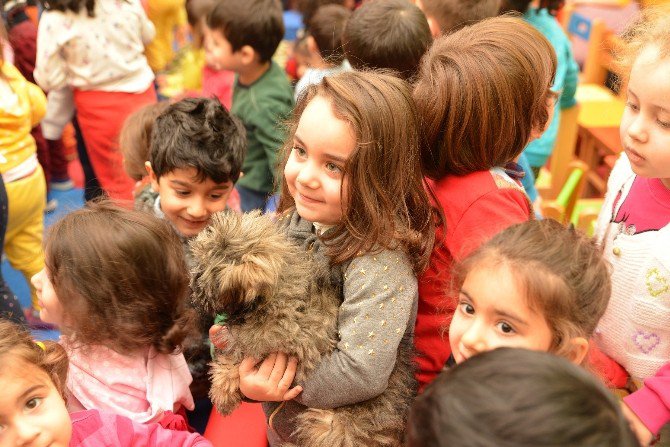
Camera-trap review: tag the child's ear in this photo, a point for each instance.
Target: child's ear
(312, 47)
(579, 347)
(247, 54)
(152, 176)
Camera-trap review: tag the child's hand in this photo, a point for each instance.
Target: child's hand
(218, 335)
(270, 380)
(644, 436)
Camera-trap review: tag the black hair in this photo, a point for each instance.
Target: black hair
(257, 23)
(199, 133)
(69, 5)
(392, 34)
(517, 397)
(309, 7)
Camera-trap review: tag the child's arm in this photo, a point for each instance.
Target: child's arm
(147, 29)
(50, 66)
(380, 295)
(60, 111)
(269, 131)
(651, 403)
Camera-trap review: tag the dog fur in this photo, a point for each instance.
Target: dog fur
(278, 299)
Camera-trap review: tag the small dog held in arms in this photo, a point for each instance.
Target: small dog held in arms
(275, 297)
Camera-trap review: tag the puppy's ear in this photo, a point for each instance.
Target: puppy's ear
(255, 275)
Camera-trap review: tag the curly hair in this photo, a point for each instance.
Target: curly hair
(199, 133)
(48, 356)
(121, 278)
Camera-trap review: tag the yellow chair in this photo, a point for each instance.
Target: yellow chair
(550, 181)
(562, 207)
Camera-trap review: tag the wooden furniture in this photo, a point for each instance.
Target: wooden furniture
(561, 208)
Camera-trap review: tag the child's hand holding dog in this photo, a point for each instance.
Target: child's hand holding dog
(270, 380)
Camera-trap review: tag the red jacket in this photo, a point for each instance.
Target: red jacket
(476, 207)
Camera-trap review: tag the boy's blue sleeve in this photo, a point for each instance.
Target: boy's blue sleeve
(528, 180)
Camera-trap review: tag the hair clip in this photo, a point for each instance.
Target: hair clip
(41, 345)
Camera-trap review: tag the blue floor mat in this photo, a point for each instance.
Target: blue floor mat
(67, 201)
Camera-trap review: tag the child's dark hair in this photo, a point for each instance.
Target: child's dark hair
(452, 15)
(48, 356)
(387, 204)
(561, 270)
(392, 34)
(309, 7)
(121, 277)
(327, 27)
(135, 138)
(480, 93)
(521, 6)
(257, 23)
(515, 397)
(70, 5)
(198, 133)
(196, 14)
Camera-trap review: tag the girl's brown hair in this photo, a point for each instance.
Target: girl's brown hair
(121, 278)
(562, 271)
(480, 93)
(49, 356)
(387, 204)
(651, 29)
(135, 138)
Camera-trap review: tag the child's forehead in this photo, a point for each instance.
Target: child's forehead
(21, 374)
(190, 175)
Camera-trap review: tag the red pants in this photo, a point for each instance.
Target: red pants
(101, 115)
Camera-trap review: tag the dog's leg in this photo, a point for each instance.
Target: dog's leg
(225, 391)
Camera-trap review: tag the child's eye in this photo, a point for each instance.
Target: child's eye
(663, 124)
(467, 308)
(632, 106)
(182, 193)
(505, 328)
(332, 167)
(215, 196)
(301, 152)
(33, 403)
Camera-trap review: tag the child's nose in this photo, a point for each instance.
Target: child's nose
(474, 339)
(35, 280)
(27, 431)
(307, 176)
(197, 209)
(636, 129)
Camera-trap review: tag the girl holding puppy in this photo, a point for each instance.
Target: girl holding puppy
(353, 197)
(482, 94)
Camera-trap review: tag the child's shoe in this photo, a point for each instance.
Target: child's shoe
(61, 185)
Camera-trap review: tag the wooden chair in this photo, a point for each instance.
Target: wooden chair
(562, 207)
(551, 180)
(601, 109)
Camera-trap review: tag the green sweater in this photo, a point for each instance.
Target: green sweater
(263, 106)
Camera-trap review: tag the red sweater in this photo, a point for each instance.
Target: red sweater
(476, 207)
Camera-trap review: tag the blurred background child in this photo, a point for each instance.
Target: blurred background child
(392, 34)
(108, 85)
(22, 106)
(123, 322)
(511, 397)
(242, 36)
(33, 411)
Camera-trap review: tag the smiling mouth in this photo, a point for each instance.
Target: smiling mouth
(308, 199)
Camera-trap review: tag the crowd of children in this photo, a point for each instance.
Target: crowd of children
(402, 162)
